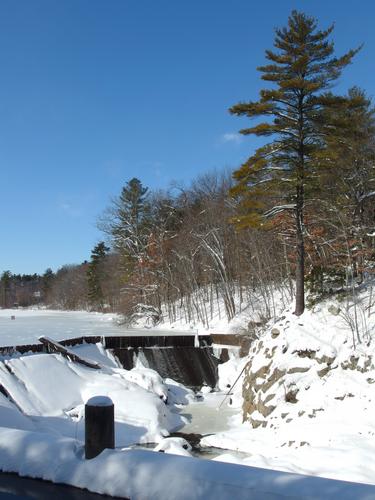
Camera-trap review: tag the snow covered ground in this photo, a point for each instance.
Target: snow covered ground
(145, 475)
(306, 391)
(309, 395)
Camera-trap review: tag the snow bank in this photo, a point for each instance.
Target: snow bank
(308, 397)
(140, 474)
(48, 392)
(230, 378)
(11, 417)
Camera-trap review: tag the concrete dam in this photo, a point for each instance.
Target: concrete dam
(188, 359)
(181, 358)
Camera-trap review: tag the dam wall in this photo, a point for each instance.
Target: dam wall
(187, 359)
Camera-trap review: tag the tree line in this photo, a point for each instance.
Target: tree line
(299, 213)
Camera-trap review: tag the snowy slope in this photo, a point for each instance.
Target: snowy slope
(308, 396)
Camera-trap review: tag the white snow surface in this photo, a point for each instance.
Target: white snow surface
(139, 474)
(30, 324)
(328, 430)
(175, 446)
(249, 310)
(48, 392)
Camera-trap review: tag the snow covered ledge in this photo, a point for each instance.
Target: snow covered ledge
(139, 474)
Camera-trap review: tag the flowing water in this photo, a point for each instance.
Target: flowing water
(208, 416)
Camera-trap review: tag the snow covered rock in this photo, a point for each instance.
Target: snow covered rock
(308, 401)
(175, 446)
(303, 367)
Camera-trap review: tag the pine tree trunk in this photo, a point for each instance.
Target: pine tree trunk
(300, 261)
(300, 201)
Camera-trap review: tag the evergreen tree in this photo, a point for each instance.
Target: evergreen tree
(129, 230)
(95, 275)
(278, 177)
(348, 192)
(47, 283)
(127, 222)
(5, 282)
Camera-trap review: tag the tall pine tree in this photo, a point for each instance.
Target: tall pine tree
(278, 176)
(127, 220)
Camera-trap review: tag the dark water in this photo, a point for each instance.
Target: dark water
(14, 487)
(191, 366)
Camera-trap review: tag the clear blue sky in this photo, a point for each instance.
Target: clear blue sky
(93, 93)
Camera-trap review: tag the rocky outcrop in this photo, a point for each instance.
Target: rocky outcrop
(294, 368)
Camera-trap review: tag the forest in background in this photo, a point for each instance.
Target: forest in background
(296, 219)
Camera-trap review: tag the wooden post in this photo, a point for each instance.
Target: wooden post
(99, 425)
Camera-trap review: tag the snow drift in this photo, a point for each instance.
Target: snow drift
(47, 392)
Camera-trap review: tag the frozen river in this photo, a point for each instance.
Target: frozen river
(207, 417)
(30, 324)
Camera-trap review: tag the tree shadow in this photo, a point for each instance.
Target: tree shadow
(125, 434)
